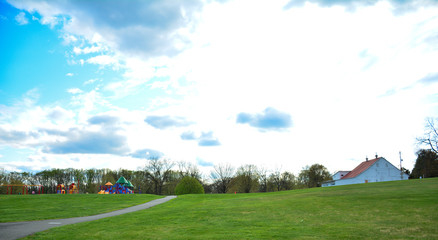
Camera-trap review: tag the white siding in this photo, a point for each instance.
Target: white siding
(380, 171)
(339, 174)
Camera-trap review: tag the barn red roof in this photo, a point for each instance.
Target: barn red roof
(360, 168)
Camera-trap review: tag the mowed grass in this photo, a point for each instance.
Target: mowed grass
(390, 210)
(16, 208)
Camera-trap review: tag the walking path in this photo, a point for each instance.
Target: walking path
(15, 230)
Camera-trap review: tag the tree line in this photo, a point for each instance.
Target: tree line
(160, 176)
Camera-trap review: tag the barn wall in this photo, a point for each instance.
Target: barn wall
(380, 171)
(339, 174)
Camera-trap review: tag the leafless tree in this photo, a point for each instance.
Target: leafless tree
(159, 172)
(221, 176)
(263, 179)
(188, 169)
(430, 137)
(275, 178)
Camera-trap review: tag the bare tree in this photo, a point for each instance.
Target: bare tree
(282, 181)
(430, 137)
(159, 172)
(263, 179)
(188, 169)
(221, 176)
(275, 178)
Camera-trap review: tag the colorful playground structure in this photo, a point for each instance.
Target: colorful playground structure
(24, 187)
(122, 186)
(72, 189)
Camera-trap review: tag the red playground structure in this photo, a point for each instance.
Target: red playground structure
(72, 189)
(60, 189)
(25, 188)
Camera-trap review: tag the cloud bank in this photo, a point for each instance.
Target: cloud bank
(269, 119)
(140, 28)
(163, 122)
(147, 153)
(180, 77)
(206, 139)
(90, 143)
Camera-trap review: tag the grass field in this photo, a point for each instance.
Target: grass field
(15, 208)
(390, 210)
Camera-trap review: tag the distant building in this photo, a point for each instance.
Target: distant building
(339, 174)
(376, 170)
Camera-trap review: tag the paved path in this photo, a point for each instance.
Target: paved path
(14, 230)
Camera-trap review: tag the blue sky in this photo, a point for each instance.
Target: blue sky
(279, 84)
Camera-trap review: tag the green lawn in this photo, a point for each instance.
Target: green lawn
(390, 210)
(15, 208)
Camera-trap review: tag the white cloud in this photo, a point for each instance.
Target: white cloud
(329, 68)
(305, 62)
(91, 81)
(69, 74)
(69, 39)
(151, 28)
(59, 113)
(87, 50)
(48, 11)
(103, 60)
(74, 90)
(21, 18)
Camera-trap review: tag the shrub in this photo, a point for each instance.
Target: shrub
(189, 185)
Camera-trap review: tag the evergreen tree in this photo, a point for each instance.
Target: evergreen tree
(426, 165)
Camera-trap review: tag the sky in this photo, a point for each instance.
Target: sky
(279, 84)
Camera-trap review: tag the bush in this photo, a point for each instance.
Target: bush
(189, 185)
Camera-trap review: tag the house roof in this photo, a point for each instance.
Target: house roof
(360, 168)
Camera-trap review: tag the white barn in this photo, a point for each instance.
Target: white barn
(376, 170)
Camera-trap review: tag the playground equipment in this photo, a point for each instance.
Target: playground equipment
(106, 190)
(73, 188)
(60, 189)
(122, 186)
(24, 188)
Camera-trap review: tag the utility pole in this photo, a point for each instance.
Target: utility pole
(401, 169)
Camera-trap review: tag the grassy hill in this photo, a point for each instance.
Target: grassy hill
(389, 210)
(16, 208)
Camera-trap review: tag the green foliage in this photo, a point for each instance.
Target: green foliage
(158, 178)
(314, 175)
(246, 180)
(385, 210)
(189, 185)
(426, 165)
